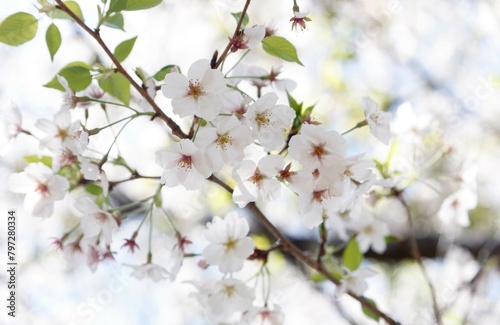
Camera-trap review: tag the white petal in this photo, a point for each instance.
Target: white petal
(175, 85)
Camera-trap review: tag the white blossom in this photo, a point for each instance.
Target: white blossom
(62, 133)
(264, 316)
(70, 100)
(316, 148)
(313, 201)
(371, 232)
(355, 281)
(224, 298)
(13, 122)
(229, 244)
(455, 208)
(198, 93)
(224, 143)
(41, 186)
(95, 221)
(269, 121)
(257, 181)
(149, 271)
(184, 164)
(378, 121)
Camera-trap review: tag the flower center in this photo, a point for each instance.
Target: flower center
(223, 141)
(42, 189)
(368, 230)
(62, 133)
(375, 117)
(262, 119)
(185, 162)
(229, 291)
(256, 178)
(318, 195)
(195, 89)
(319, 151)
(230, 244)
(101, 216)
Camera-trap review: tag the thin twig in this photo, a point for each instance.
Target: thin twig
(415, 251)
(236, 31)
(119, 68)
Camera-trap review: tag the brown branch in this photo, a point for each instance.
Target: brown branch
(287, 246)
(284, 242)
(119, 68)
(418, 257)
(236, 31)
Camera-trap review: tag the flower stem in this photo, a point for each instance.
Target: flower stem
(357, 126)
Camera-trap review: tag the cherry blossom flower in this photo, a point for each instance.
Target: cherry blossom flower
(70, 100)
(378, 121)
(93, 255)
(248, 39)
(316, 148)
(175, 255)
(95, 221)
(455, 208)
(269, 121)
(371, 232)
(198, 93)
(149, 270)
(313, 200)
(257, 181)
(233, 102)
(280, 84)
(224, 143)
(264, 316)
(13, 122)
(184, 164)
(355, 281)
(62, 133)
(41, 186)
(224, 298)
(229, 244)
(299, 19)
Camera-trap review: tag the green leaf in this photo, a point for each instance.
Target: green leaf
(117, 5)
(281, 48)
(318, 277)
(53, 40)
(294, 104)
(124, 48)
(114, 21)
(237, 16)
(73, 6)
(18, 28)
(141, 4)
(46, 160)
(370, 313)
(93, 189)
(352, 256)
(117, 86)
(160, 75)
(76, 73)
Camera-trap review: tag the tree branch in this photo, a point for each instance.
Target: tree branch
(236, 31)
(418, 257)
(285, 244)
(95, 34)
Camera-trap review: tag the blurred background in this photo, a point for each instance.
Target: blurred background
(433, 65)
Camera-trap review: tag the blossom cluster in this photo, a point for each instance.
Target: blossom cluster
(296, 156)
